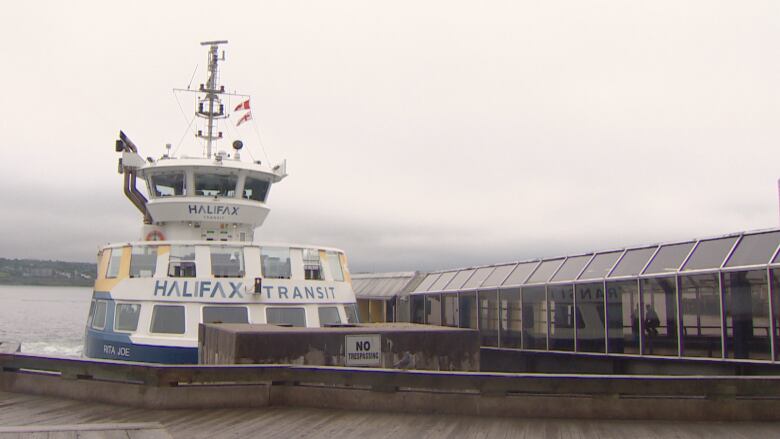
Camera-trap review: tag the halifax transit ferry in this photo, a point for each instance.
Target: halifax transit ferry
(197, 260)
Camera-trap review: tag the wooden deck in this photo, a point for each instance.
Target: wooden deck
(284, 422)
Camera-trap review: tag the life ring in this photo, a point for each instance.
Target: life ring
(155, 235)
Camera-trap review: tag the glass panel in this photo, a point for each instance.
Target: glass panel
(571, 268)
(488, 318)
(560, 302)
(498, 275)
(99, 318)
(534, 318)
(700, 311)
(418, 308)
(334, 263)
(457, 282)
(426, 284)
(181, 262)
(143, 261)
(511, 318)
(475, 281)
(451, 311)
(747, 315)
(710, 254)
(167, 319)
(669, 258)
(623, 314)
(227, 261)
(126, 316)
(113, 262)
(215, 185)
(590, 317)
(520, 273)
(633, 262)
(433, 309)
(286, 316)
(442, 281)
(276, 262)
(600, 265)
(312, 267)
(329, 315)
(225, 314)
(659, 316)
(545, 270)
(775, 277)
(255, 189)
(754, 249)
(168, 184)
(468, 310)
(91, 313)
(352, 315)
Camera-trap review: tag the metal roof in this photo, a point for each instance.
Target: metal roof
(384, 285)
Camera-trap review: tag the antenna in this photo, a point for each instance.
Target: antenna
(210, 107)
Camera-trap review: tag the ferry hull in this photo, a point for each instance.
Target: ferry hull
(119, 347)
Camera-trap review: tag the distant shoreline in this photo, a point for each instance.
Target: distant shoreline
(35, 272)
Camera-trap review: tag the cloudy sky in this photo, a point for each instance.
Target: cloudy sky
(419, 134)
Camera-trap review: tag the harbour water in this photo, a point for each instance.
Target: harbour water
(46, 320)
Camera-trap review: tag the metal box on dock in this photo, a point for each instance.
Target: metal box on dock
(385, 345)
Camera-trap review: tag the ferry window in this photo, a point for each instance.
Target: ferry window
(255, 189)
(227, 262)
(91, 313)
(285, 316)
(167, 319)
(329, 315)
(181, 262)
(334, 262)
(225, 314)
(168, 184)
(143, 261)
(312, 268)
(352, 316)
(126, 316)
(276, 262)
(215, 185)
(99, 318)
(113, 262)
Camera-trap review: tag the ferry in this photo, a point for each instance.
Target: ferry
(196, 260)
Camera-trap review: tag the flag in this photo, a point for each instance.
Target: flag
(242, 106)
(244, 118)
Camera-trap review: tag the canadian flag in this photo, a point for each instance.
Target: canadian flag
(242, 106)
(244, 118)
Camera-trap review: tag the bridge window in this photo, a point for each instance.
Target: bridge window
(659, 316)
(590, 317)
(534, 318)
(114, 262)
(126, 317)
(312, 268)
(700, 313)
(488, 318)
(334, 262)
(255, 189)
(181, 262)
(747, 315)
(227, 262)
(511, 318)
(561, 306)
(168, 319)
(623, 316)
(225, 314)
(352, 315)
(329, 315)
(99, 318)
(168, 184)
(285, 316)
(215, 185)
(276, 262)
(143, 261)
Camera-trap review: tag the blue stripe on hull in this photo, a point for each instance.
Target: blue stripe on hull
(119, 347)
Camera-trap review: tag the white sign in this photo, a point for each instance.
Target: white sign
(363, 350)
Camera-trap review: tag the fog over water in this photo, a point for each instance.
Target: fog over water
(419, 134)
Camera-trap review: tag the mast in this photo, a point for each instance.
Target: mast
(211, 107)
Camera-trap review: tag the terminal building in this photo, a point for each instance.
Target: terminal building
(714, 298)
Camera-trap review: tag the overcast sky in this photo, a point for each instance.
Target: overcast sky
(419, 134)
